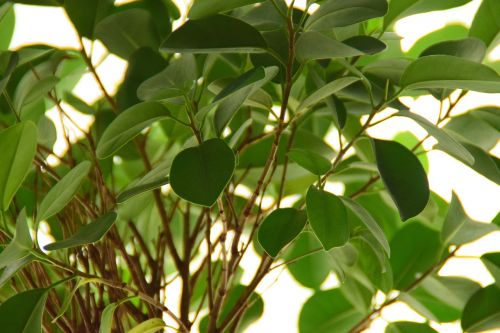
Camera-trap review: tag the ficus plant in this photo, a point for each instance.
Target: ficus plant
(222, 142)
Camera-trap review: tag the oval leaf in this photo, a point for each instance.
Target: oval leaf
(482, 311)
(328, 217)
(200, 174)
(408, 327)
(312, 45)
(23, 312)
(328, 89)
(62, 193)
(87, 234)
(218, 33)
(128, 125)
(311, 161)
(17, 147)
(149, 326)
(202, 8)
(486, 23)
(404, 177)
(449, 72)
(280, 228)
(492, 263)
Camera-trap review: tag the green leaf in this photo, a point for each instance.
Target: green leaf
(328, 311)
(311, 161)
(313, 45)
(175, 80)
(141, 187)
(126, 31)
(449, 72)
(232, 97)
(486, 23)
(404, 177)
(366, 44)
(472, 49)
(149, 326)
(108, 313)
(200, 174)
(492, 262)
(415, 248)
(482, 311)
(484, 163)
(78, 104)
(388, 69)
(23, 312)
(311, 270)
(17, 147)
(280, 228)
(86, 14)
(408, 327)
(447, 143)
(328, 89)
(336, 13)
(215, 34)
(14, 267)
(328, 217)
(62, 193)
(7, 25)
(202, 8)
(127, 125)
(458, 228)
(402, 8)
(88, 234)
(8, 63)
(33, 92)
(20, 246)
(368, 221)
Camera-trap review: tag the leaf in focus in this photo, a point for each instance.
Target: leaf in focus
(311, 161)
(328, 217)
(20, 246)
(23, 312)
(199, 174)
(366, 44)
(327, 90)
(404, 177)
(482, 311)
(202, 8)
(17, 149)
(63, 192)
(449, 72)
(127, 125)
(88, 234)
(279, 228)
(215, 34)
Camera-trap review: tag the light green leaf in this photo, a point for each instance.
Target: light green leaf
(369, 222)
(7, 25)
(449, 72)
(107, 315)
(17, 149)
(217, 33)
(325, 91)
(492, 262)
(482, 311)
(20, 246)
(149, 326)
(67, 300)
(175, 80)
(62, 193)
(312, 45)
(447, 143)
(404, 177)
(402, 8)
(88, 234)
(23, 312)
(280, 228)
(199, 174)
(337, 13)
(328, 217)
(127, 125)
(126, 31)
(408, 327)
(486, 23)
(202, 8)
(311, 161)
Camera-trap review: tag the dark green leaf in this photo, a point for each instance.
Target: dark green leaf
(366, 44)
(310, 161)
(280, 228)
(14, 267)
(126, 31)
(200, 174)
(312, 45)
(404, 177)
(7, 24)
(328, 312)
(22, 313)
(449, 72)
(415, 248)
(482, 311)
(336, 13)
(472, 49)
(202, 8)
(141, 187)
(34, 91)
(87, 234)
(18, 147)
(486, 23)
(408, 327)
(325, 91)
(492, 262)
(62, 193)
(8, 62)
(86, 14)
(218, 33)
(20, 246)
(328, 217)
(128, 125)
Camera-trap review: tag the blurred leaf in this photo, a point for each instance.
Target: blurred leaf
(472, 49)
(8, 63)
(7, 24)
(492, 262)
(202, 8)
(86, 14)
(325, 91)
(23, 312)
(482, 311)
(279, 228)
(21, 245)
(313, 45)
(149, 326)
(310, 161)
(486, 23)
